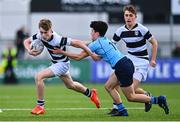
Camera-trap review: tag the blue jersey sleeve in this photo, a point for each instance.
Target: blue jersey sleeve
(92, 46)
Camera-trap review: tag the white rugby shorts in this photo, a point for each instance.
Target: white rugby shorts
(141, 67)
(60, 68)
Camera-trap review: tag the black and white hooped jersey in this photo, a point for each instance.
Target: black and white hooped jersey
(135, 39)
(56, 41)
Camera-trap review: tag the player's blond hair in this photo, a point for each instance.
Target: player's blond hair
(130, 8)
(46, 24)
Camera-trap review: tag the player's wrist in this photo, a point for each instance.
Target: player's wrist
(90, 54)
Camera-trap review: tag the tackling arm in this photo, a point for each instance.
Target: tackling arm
(76, 56)
(81, 44)
(71, 55)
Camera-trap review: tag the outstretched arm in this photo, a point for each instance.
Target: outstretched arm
(83, 45)
(71, 55)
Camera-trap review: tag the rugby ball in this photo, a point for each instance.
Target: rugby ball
(37, 45)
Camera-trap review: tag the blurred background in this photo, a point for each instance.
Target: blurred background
(19, 19)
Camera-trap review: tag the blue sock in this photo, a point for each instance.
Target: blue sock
(120, 106)
(154, 100)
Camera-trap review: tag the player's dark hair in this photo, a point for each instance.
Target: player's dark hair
(45, 24)
(130, 8)
(99, 26)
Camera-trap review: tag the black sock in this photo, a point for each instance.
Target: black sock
(87, 93)
(40, 102)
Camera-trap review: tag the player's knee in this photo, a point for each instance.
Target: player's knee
(130, 98)
(107, 87)
(139, 91)
(38, 77)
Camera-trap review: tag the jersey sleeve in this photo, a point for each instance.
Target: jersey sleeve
(116, 36)
(148, 36)
(92, 46)
(146, 33)
(69, 40)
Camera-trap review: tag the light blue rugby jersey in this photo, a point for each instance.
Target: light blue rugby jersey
(107, 50)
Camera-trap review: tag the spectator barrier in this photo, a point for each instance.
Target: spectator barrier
(167, 71)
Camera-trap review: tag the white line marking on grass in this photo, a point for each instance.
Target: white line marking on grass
(0, 111)
(62, 109)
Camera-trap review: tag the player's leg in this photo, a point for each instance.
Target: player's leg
(137, 79)
(115, 107)
(127, 88)
(142, 98)
(110, 86)
(133, 97)
(124, 72)
(137, 87)
(128, 91)
(61, 69)
(123, 68)
(140, 72)
(126, 76)
(138, 90)
(54, 70)
(139, 76)
(136, 83)
(70, 84)
(76, 86)
(39, 79)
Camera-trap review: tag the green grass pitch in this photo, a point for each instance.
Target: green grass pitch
(63, 104)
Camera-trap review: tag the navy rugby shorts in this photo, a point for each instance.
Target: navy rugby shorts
(124, 70)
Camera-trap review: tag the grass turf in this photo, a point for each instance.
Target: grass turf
(16, 102)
